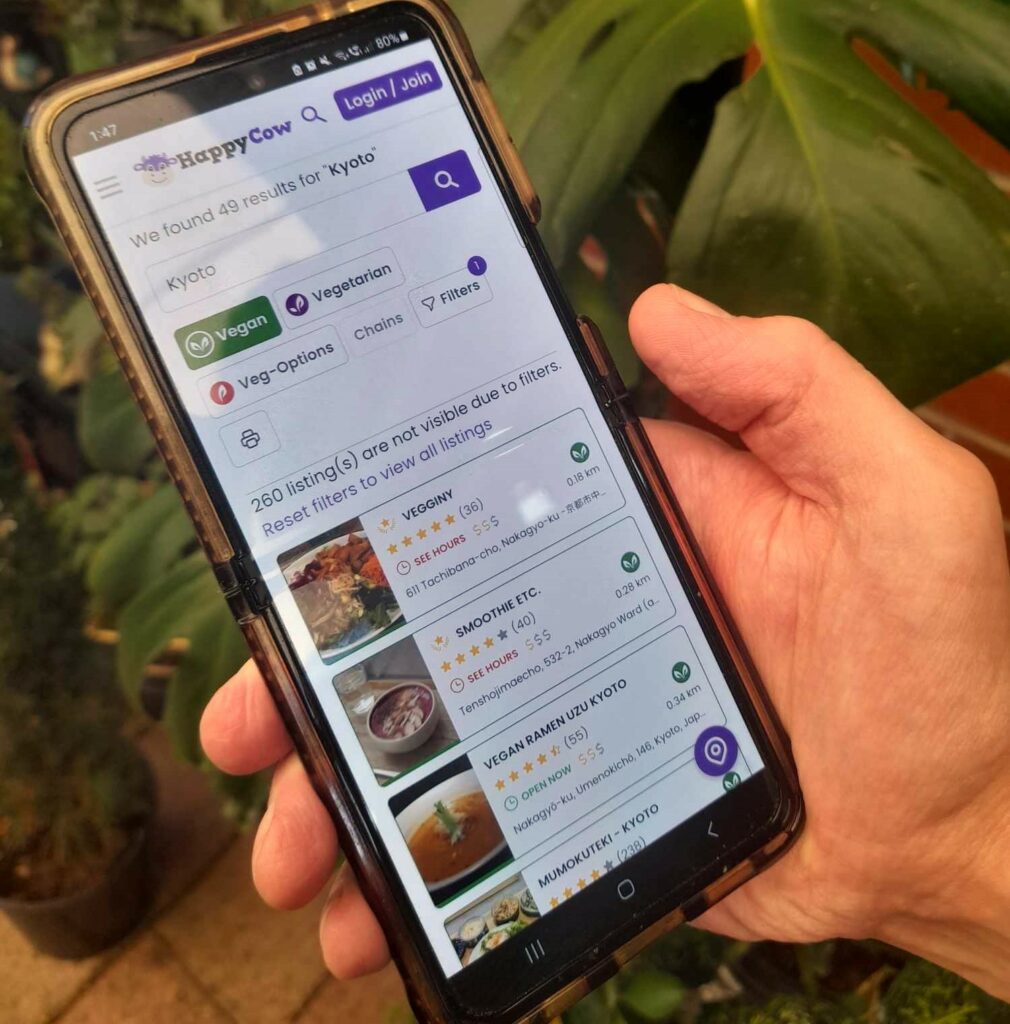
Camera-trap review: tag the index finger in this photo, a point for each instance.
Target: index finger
(241, 729)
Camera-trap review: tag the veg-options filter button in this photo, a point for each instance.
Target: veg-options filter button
(223, 334)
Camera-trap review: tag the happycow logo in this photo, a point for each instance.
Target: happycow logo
(157, 169)
(160, 168)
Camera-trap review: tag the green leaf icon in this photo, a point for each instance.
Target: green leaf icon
(681, 672)
(730, 781)
(630, 561)
(579, 452)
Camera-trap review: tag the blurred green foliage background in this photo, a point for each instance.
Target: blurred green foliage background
(743, 148)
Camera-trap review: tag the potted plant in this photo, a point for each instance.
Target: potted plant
(75, 795)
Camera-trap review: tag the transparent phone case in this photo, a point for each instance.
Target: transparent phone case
(42, 147)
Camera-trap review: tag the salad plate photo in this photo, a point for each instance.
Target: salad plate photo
(342, 593)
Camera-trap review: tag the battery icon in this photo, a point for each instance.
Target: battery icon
(404, 37)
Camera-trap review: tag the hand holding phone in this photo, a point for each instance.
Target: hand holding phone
(427, 501)
(802, 552)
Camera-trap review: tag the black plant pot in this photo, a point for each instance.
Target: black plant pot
(84, 923)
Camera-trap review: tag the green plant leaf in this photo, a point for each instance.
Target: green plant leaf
(487, 24)
(112, 432)
(592, 119)
(653, 995)
(961, 47)
(593, 1009)
(184, 602)
(17, 209)
(505, 42)
(92, 511)
(814, 964)
(923, 993)
(551, 58)
(139, 549)
(79, 335)
(785, 1009)
(630, 232)
(168, 607)
(822, 194)
(216, 650)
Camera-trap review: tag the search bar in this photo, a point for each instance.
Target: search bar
(444, 180)
(272, 247)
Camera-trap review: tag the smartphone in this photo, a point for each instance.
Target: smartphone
(424, 494)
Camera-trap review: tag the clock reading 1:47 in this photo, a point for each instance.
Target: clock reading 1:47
(103, 134)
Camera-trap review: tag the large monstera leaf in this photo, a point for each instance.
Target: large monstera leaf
(582, 94)
(820, 191)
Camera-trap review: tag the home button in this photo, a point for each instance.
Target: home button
(626, 888)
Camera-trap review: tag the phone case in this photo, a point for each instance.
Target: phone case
(240, 588)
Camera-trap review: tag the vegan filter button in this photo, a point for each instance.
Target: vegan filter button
(225, 333)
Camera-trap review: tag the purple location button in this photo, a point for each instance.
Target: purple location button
(445, 179)
(715, 750)
(387, 90)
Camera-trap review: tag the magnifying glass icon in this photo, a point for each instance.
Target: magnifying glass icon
(311, 114)
(443, 179)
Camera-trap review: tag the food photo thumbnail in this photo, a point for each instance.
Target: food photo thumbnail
(450, 830)
(492, 920)
(395, 710)
(341, 590)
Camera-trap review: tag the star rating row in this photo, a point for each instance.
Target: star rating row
(407, 540)
(568, 892)
(440, 643)
(541, 759)
(474, 649)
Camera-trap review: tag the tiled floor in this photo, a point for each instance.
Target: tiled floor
(210, 953)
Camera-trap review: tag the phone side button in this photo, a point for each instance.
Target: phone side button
(238, 603)
(248, 602)
(603, 362)
(695, 906)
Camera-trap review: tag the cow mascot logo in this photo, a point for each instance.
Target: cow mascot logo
(157, 169)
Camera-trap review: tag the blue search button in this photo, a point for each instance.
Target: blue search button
(444, 180)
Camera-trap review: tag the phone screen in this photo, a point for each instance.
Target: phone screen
(343, 302)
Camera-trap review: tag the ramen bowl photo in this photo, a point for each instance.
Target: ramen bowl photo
(451, 832)
(403, 718)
